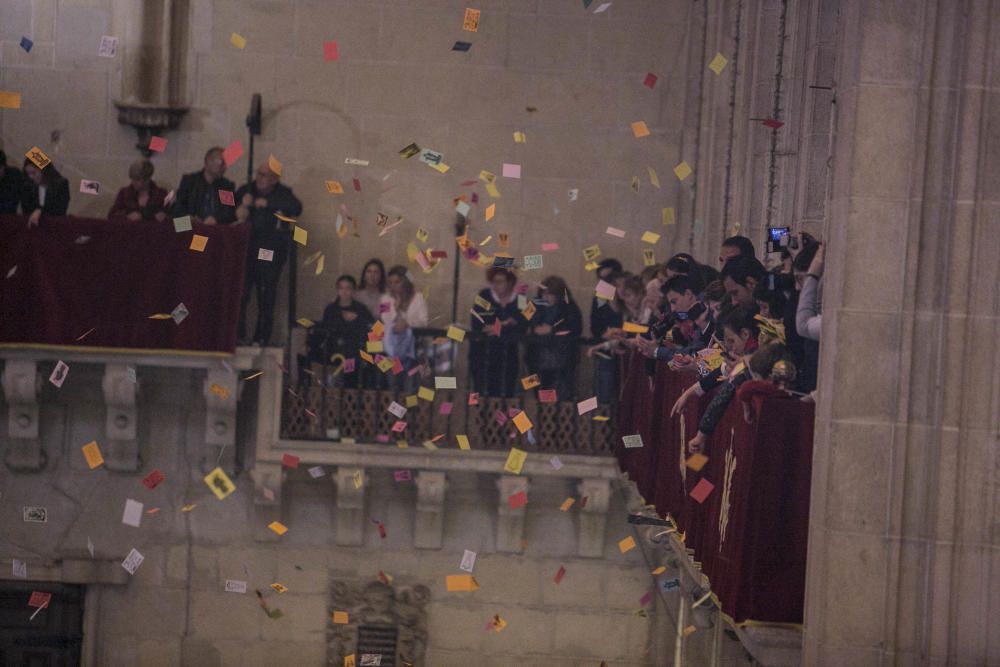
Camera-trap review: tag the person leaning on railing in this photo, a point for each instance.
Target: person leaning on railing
(739, 331)
(605, 324)
(11, 185)
(45, 192)
(142, 198)
(494, 359)
(555, 332)
(198, 194)
(402, 308)
(342, 333)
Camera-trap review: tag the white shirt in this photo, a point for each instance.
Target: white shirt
(416, 312)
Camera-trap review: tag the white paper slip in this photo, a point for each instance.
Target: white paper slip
(133, 561)
(133, 513)
(59, 374)
(468, 561)
(445, 383)
(236, 586)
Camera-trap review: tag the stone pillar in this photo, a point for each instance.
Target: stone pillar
(429, 528)
(905, 510)
(593, 517)
(351, 483)
(510, 521)
(220, 391)
(121, 449)
(21, 385)
(267, 487)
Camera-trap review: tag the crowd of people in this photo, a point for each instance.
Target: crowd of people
(743, 329)
(206, 196)
(737, 326)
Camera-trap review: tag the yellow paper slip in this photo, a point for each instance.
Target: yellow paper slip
(515, 460)
(92, 453)
(341, 617)
(718, 63)
(455, 333)
(668, 216)
(566, 504)
(10, 100)
(461, 582)
(682, 171)
(278, 527)
(627, 544)
(632, 327)
(463, 441)
(522, 422)
(639, 129)
(274, 164)
(220, 484)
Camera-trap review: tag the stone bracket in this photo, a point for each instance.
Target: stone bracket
(350, 507)
(267, 479)
(21, 385)
(220, 416)
(593, 517)
(429, 529)
(122, 446)
(510, 522)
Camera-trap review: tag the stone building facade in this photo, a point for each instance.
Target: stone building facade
(887, 149)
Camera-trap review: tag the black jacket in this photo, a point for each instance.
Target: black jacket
(335, 335)
(267, 231)
(197, 197)
(56, 197)
(11, 187)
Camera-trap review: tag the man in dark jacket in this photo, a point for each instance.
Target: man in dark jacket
(260, 203)
(11, 185)
(198, 194)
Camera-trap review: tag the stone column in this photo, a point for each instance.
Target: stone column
(905, 510)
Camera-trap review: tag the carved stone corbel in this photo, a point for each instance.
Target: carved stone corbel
(121, 446)
(593, 517)
(351, 483)
(220, 417)
(510, 521)
(429, 528)
(267, 479)
(21, 385)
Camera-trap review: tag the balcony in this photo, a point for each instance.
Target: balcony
(111, 321)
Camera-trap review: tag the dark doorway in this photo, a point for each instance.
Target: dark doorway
(53, 638)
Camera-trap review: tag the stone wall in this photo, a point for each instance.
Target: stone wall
(397, 82)
(175, 609)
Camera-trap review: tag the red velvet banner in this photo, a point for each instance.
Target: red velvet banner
(750, 533)
(83, 282)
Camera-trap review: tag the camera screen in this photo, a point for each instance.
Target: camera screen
(777, 232)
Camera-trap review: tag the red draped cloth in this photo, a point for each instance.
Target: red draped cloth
(749, 536)
(70, 276)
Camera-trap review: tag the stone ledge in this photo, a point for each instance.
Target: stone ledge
(388, 456)
(76, 571)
